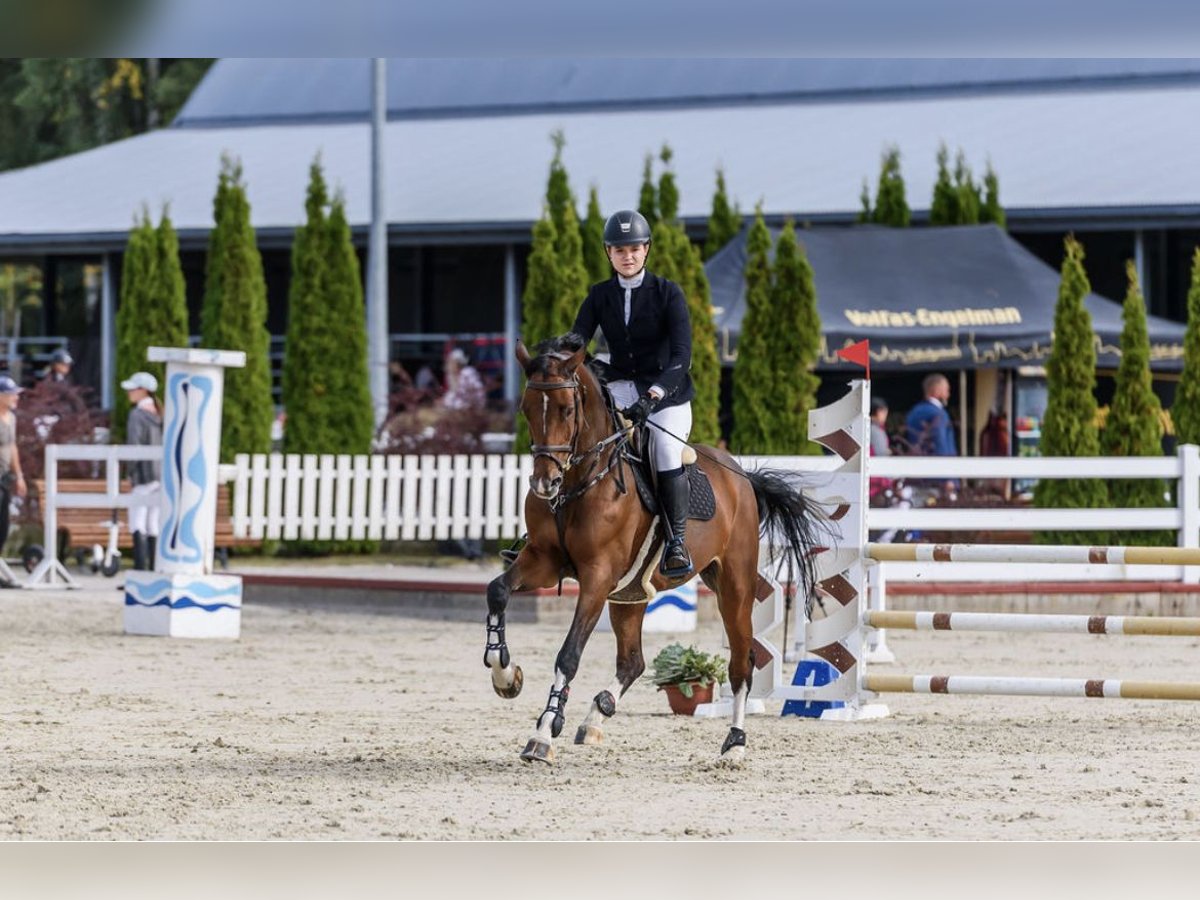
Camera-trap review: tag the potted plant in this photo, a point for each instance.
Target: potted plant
(687, 675)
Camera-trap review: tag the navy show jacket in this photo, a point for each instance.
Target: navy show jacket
(655, 347)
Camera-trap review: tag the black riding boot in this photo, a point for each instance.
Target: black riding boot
(151, 549)
(674, 489)
(139, 550)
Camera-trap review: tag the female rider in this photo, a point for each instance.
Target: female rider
(649, 333)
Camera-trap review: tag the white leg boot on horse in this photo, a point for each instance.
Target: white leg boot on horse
(530, 570)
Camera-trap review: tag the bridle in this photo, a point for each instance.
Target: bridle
(574, 458)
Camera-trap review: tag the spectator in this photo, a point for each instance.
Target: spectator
(59, 369)
(464, 387)
(928, 428)
(145, 427)
(881, 444)
(12, 480)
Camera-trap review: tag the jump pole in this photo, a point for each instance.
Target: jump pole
(840, 639)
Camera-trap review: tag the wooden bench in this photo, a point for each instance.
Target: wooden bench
(80, 529)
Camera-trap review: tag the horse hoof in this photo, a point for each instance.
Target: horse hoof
(513, 689)
(733, 757)
(589, 734)
(538, 751)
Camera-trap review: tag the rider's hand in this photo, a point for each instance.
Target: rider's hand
(640, 411)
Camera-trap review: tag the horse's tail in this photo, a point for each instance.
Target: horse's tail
(789, 520)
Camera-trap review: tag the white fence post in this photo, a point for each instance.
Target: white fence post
(1188, 495)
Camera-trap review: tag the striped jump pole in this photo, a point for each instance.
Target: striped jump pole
(1020, 553)
(1163, 626)
(1104, 688)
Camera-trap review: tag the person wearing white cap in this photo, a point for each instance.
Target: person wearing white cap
(145, 427)
(12, 481)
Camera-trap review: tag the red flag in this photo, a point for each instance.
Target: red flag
(859, 354)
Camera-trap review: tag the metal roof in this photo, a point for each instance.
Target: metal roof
(1107, 156)
(256, 91)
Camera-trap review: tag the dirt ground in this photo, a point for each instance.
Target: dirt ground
(347, 725)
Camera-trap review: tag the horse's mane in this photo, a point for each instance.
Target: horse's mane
(554, 349)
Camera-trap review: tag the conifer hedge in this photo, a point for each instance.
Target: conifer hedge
(595, 260)
(891, 205)
(1134, 423)
(1069, 425)
(724, 222)
(234, 317)
(795, 341)
(753, 379)
(1185, 410)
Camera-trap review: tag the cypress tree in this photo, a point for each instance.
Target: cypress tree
(675, 257)
(558, 187)
(573, 276)
(1185, 410)
(541, 291)
(133, 313)
(1134, 423)
(594, 257)
(864, 199)
(724, 222)
(967, 192)
(648, 194)
(992, 211)
(753, 381)
(795, 341)
(234, 317)
(943, 210)
(891, 207)
(353, 415)
(1069, 425)
(311, 345)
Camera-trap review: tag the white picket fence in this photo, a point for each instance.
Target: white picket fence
(443, 497)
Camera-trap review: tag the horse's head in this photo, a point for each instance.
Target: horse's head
(553, 405)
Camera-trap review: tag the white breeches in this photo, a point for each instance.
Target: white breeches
(668, 452)
(145, 518)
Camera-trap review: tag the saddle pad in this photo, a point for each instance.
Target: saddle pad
(702, 505)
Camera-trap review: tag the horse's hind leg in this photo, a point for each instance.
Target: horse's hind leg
(627, 626)
(735, 597)
(530, 570)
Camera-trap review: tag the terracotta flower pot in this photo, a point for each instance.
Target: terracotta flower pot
(686, 706)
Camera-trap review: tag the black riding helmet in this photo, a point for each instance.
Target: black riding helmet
(625, 227)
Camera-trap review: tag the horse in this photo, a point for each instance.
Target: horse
(583, 520)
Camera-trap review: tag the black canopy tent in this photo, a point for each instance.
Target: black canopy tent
(967, 297)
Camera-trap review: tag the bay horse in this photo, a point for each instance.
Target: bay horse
(586, 522)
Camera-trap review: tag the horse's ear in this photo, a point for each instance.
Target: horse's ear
(575, 359)
(522, 355)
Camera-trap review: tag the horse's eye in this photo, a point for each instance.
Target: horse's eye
(568, 411)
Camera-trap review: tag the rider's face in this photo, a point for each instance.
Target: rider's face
(628, 260)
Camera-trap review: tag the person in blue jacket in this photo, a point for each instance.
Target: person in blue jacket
(928, 429)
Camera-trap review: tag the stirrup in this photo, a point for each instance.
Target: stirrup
(677, 571)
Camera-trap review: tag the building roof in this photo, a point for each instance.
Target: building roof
(1111, 157)
(932, 298)
(259, 91)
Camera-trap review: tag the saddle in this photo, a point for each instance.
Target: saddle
(702, 505)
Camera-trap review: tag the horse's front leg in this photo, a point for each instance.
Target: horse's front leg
(592, 594)
(627, 626)
(531, 569)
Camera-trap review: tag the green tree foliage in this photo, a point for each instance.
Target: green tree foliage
(967, 191)
(795, 341)
(353, 415)
(943, 210)
(1069, 425)
(891, 207)
(648, 193)
(864, 199)
(138, 278)
(992, 211)
(1185, 411)
(753, 380)
(539, 301)
(594, 257)
(673, 256)
(234, 317)
(311, 346)
(724, 222)
(1134, 423)
(52, 107)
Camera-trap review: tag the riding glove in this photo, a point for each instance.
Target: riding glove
(640, 411)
